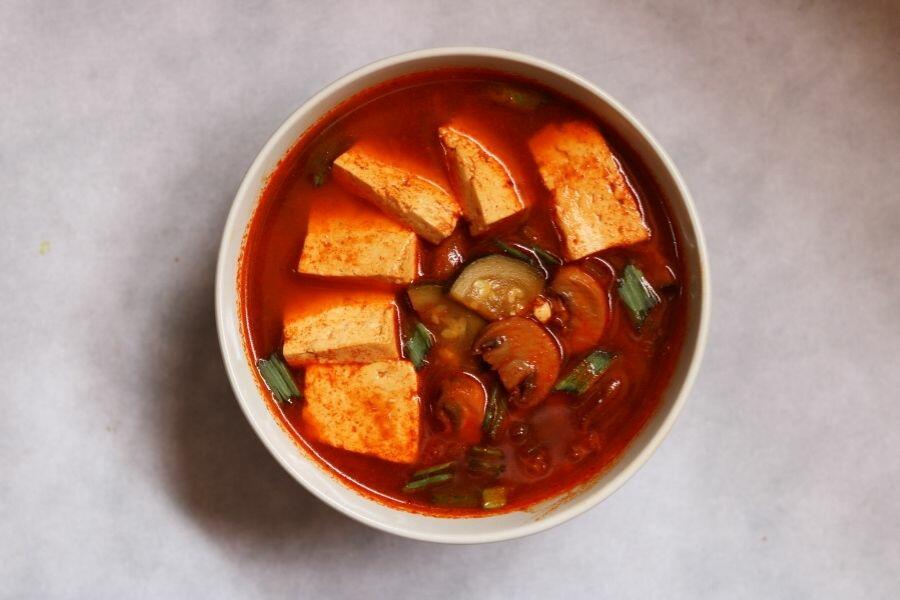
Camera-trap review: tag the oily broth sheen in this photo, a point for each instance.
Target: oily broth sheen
(400, 119)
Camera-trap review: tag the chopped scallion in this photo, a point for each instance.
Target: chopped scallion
(515, 97)
(418, 344)
(514, 252)
(486, 451)
(447, 466)
(500, 415)
(493, 497)
(637, 294)
(585, 373)
(278, 378)
(485, 460)
(547, 256)
(460, 498)
(417, 484)
(540, 257)
(495, 413)
(319, 164)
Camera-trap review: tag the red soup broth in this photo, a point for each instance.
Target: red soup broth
(579, 436)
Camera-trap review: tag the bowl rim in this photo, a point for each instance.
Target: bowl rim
(223, 311)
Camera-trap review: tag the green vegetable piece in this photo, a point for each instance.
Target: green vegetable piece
(485, 460)
(319, 163)
(500, 415)
(447, 466)
(637, 294)
(459, 498)
(479, 466)
(417, 484)
(547, 256)
(418, 344)
(515, 97)
(495, 414)
(540, 257)
(514, 252)
(489, 410)
(493, 497)
(278, 378)
(486, 451)
(585, 373)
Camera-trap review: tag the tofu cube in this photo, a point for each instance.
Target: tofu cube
(424, 206)
(486, 190)
(349, 238)
(592, 203)
(371, 409)
(342, 327)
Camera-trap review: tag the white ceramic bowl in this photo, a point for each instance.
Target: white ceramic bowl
(501, 526)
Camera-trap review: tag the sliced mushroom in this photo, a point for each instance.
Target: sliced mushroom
(524, 355)
(586, 308)
(461, 404)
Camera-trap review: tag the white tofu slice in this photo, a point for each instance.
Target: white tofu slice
(349, 238)
(342, 327)
(487, 192)
(371, 409)
(416, 201)
(592, 203)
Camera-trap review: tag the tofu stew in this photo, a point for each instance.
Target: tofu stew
(462, 293)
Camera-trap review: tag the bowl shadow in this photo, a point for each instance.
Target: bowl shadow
(216, 468)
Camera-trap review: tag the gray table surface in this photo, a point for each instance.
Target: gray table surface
(127, 468)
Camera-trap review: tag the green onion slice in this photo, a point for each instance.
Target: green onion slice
(585, 373)
(539, 259)
(493, 497)
(495, 414)
(486, 460)
(486, 451)
(418, 344)
(637, 294)
(417, 484)
(515, 97)
(278, 378)
(500, 415)
(447, 466)
(514, 252)
(460, 498)
(318, 165)
(547, 256)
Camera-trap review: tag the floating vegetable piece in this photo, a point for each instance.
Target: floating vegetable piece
(486, 461)
(512, 251)
(493, 497)
(585, 373)
(430, 476)
(546, 256)
(586, 308)
(535, 255)
(495, 414)
(441, 468)
(457, 497)
(462, 402)
(637, 294)
(497, 286)
(318, 166)
(418, 344)
(418, 484)
(515, 97)
(524, 355)
(454, 326)
(278, 378)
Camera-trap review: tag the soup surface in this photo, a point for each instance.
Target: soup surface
(464, 293)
